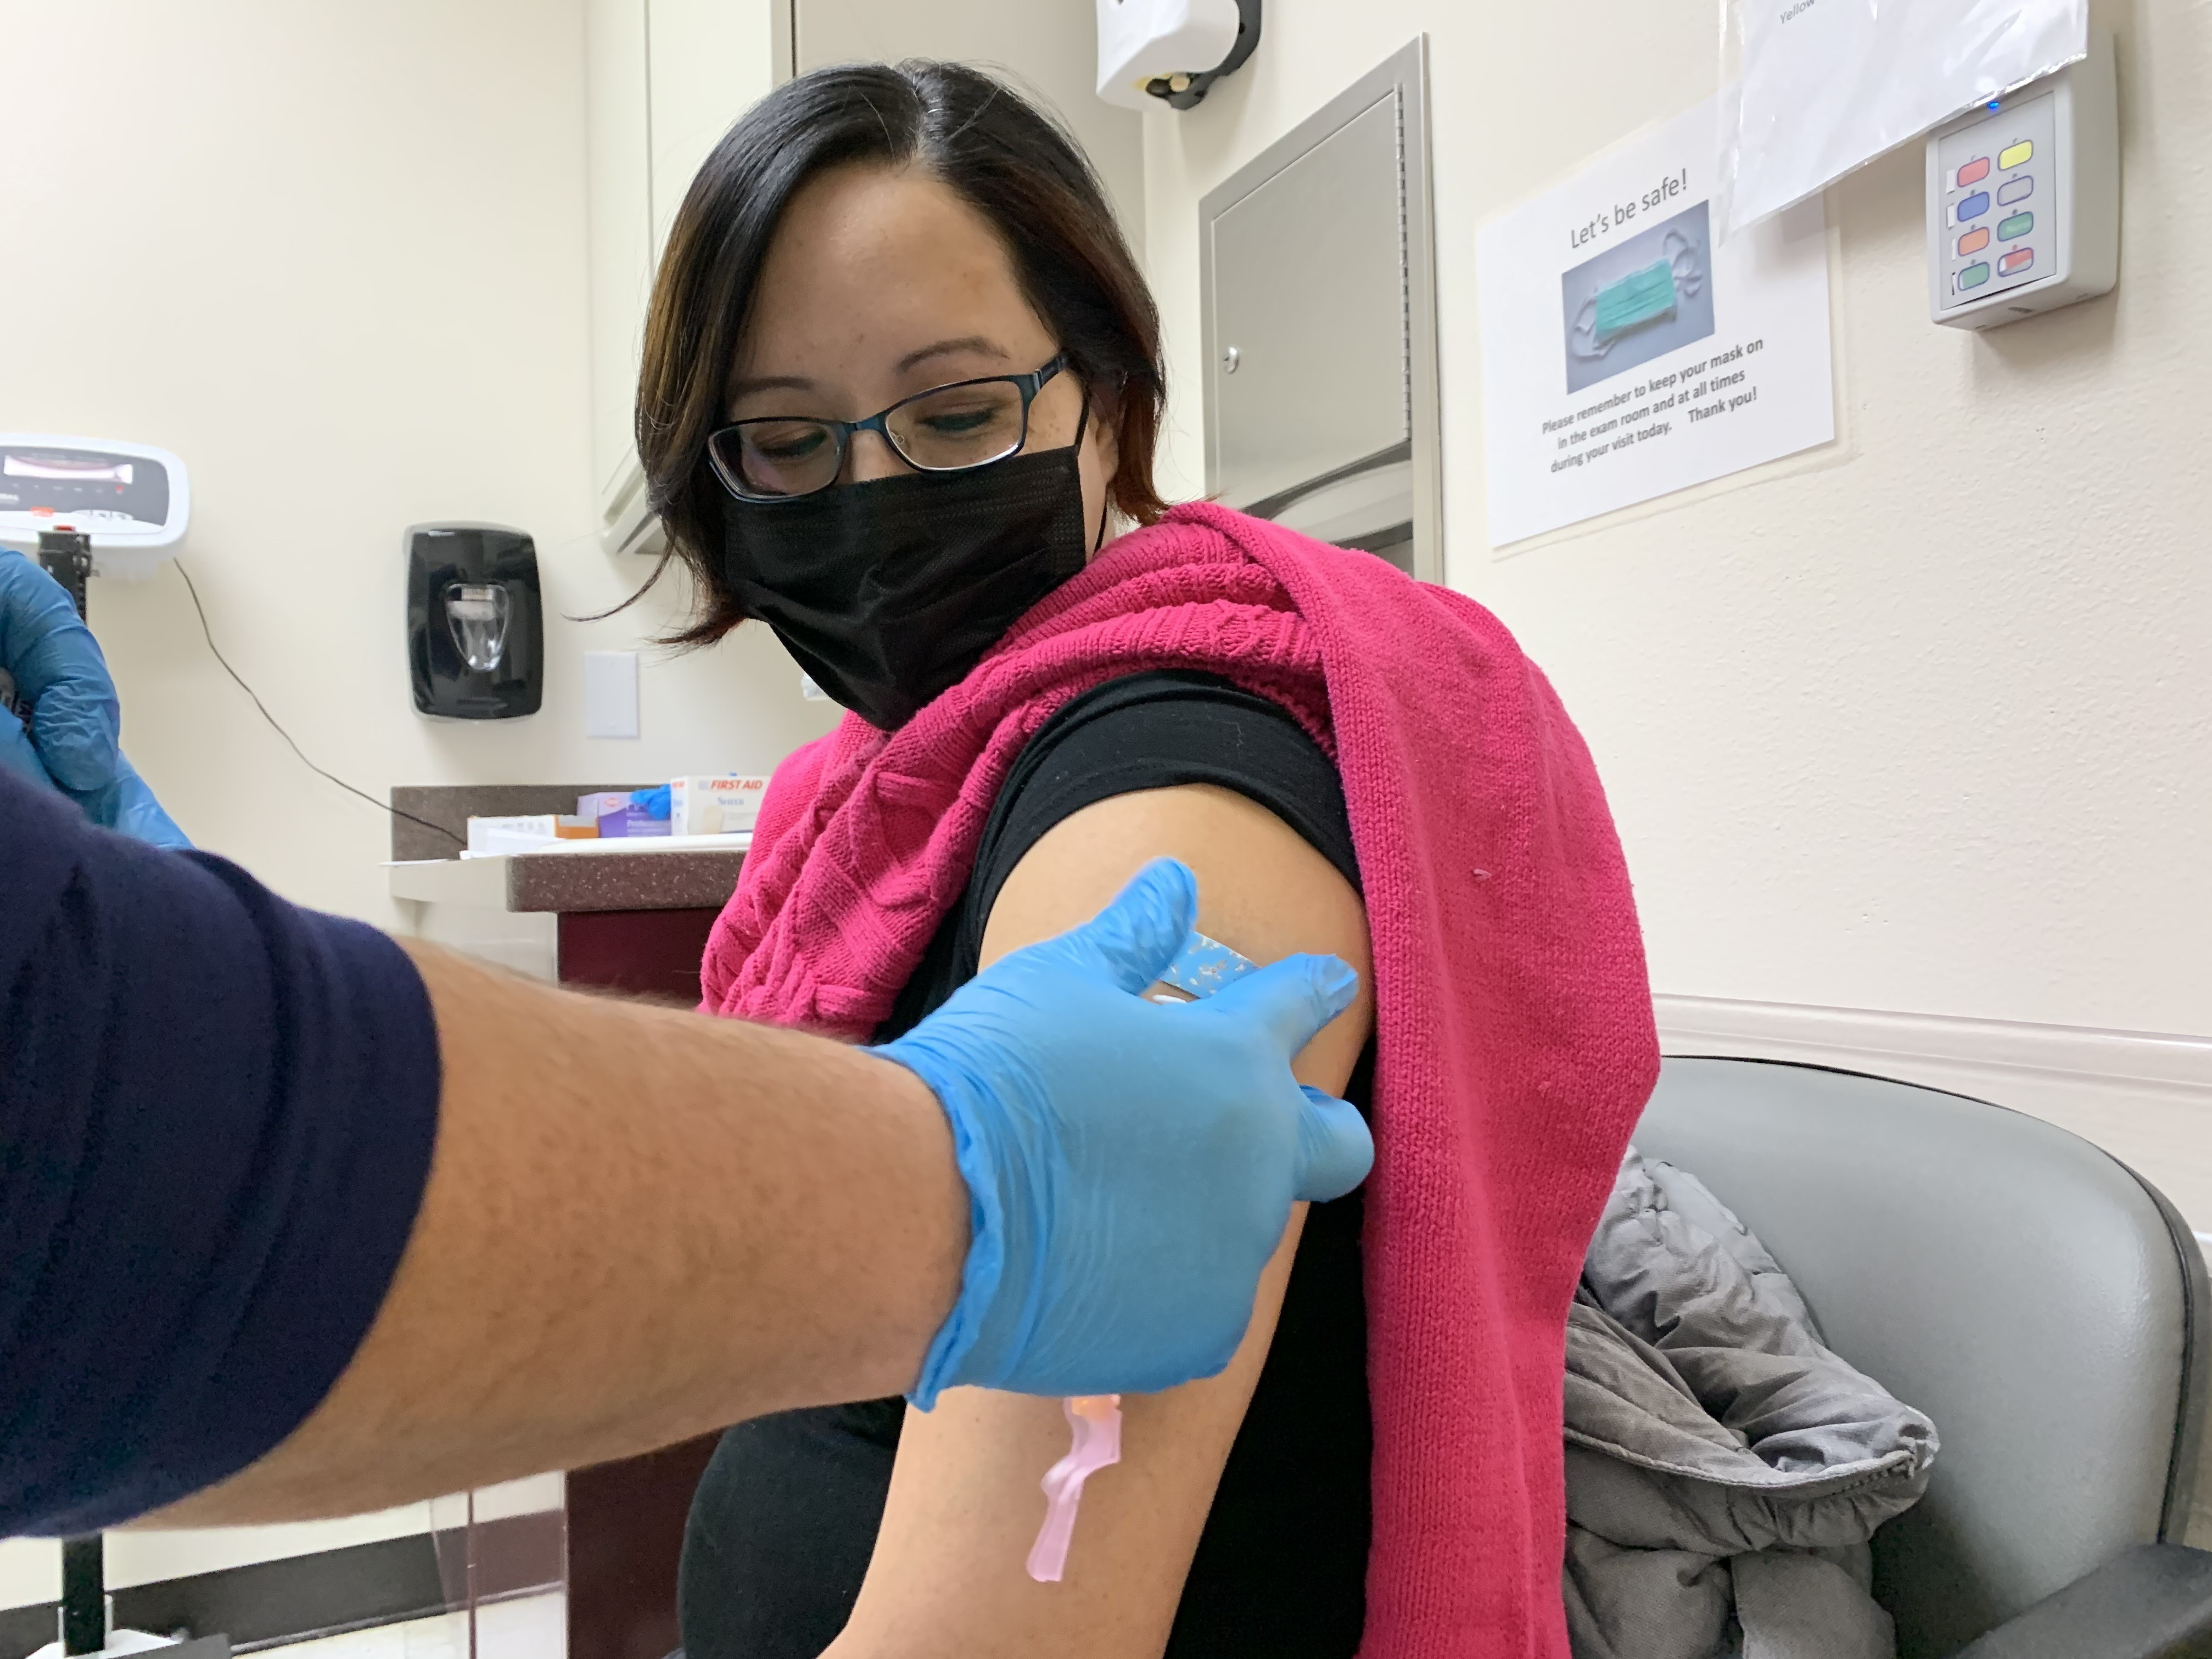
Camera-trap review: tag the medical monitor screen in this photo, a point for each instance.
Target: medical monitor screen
(88, 488)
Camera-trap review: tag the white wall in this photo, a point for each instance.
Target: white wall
(1925, 726)
(334, 256)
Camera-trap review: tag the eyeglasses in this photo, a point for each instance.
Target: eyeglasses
(948, 428)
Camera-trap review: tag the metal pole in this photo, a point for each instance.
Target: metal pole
(84, 1594)
(67, 555)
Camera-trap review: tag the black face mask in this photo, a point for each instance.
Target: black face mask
(888, 592)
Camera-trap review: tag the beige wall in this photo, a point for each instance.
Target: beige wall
(1049, 47)
(335, 257)
(1925, 724)
(1928, 727)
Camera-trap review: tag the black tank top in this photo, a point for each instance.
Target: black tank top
(784, 1518)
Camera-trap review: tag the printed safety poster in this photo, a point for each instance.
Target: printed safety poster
(1627, 352)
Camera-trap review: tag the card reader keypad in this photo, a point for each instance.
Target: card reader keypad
(2000, 206)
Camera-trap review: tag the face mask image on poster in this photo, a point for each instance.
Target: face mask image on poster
(1640, 299)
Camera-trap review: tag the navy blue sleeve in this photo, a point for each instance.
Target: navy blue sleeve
(216, 1117)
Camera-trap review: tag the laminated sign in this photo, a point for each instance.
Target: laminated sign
(1817, 88)
(1627, 352)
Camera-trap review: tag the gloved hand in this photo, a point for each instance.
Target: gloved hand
(62, 678)
(1130, 1165)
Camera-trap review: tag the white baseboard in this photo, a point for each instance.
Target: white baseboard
(2145, 1097)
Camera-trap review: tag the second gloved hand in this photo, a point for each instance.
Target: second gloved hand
(1130, 1165)
(60, 674)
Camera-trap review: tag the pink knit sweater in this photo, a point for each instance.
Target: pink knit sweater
(1513, 1021)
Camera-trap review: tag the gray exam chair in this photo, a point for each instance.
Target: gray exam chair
(2041, 1302)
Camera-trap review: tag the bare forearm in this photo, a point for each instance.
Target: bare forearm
(639, 1225)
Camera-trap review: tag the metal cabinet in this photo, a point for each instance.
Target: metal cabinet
(665, 80)
(1320, 325)
(620, 181)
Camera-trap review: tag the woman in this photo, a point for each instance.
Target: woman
(901, 387)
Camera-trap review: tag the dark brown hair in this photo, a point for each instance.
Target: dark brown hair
(1007, 159)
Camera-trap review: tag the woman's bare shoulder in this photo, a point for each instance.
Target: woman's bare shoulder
(1262, 888)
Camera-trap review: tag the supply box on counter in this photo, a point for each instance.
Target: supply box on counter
(726, 804)
(713, 806)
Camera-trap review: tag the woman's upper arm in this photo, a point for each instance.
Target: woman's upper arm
(948, 1574)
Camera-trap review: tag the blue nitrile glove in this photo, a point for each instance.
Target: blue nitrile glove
(1130, 1165)
(62, 678)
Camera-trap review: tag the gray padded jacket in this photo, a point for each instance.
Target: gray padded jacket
(1725, 1471)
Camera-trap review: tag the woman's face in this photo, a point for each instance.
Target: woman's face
(882, 282)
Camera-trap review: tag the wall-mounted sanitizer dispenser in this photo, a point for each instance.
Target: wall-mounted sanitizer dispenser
(1172, 51)
(476, 630)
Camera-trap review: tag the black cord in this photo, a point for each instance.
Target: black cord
(385, 806)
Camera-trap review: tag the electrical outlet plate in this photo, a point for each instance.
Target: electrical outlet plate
(611, 694)
(2024, 198)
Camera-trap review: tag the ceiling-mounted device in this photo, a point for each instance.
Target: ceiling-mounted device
(1172, 51)
(133, 501)
(2024, 198)
(476, 628)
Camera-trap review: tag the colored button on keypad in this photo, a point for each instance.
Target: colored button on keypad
(2014, 261)
(1973, 276)
(2012, 229)
(2018, 191)
(2015, 155)
(1974, 172)
(1974, 207)
(1973, 241)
